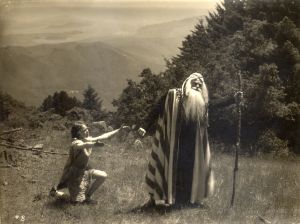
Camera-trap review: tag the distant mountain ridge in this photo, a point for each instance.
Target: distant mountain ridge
(154, 43)
(175, 28)
(31, 73)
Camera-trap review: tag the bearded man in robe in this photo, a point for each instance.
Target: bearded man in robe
(179, 169)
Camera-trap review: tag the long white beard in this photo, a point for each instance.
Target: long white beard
(195, 104)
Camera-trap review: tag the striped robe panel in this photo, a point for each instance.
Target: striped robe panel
(160, 177)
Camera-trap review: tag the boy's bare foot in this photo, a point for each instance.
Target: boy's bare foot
(53, 192)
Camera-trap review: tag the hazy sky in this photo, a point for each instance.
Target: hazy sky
(45, 21)
(203, 3)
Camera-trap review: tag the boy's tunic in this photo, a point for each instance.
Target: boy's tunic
(76, 175)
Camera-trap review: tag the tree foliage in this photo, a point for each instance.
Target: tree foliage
(92, 102)
(60, 102)
(137, 99)
(8, 105)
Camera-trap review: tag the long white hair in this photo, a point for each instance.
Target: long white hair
(195, 102)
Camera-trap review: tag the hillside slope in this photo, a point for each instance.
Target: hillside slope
(156, 42)
(31, 73)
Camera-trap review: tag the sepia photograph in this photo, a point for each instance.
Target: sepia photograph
(150, 111)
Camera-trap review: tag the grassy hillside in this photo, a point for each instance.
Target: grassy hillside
(266, 189)
(31, 73)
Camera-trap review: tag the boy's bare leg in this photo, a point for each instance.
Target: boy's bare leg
(99, 177)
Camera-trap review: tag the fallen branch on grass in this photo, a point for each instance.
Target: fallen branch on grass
(32, 149)
(264, 220)
(6, 166)
(10, 131)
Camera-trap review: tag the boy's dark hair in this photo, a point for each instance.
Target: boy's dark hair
(77, 126)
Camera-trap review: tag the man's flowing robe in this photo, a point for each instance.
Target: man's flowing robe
(167, 169)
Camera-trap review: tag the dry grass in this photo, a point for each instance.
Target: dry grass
(265, 188)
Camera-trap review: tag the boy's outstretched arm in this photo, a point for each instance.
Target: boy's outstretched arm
(108, 134)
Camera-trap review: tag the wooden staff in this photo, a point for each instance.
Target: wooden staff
(238, 140)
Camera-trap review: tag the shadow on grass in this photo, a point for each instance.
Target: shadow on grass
(63, 202)
(58, 203)
(161, 209)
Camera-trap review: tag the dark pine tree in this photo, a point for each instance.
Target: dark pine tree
(91, 101)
